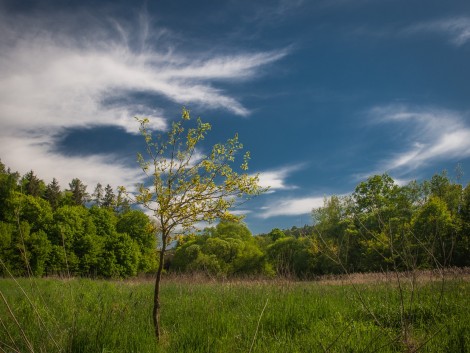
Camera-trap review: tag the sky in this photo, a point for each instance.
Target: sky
(322, 93)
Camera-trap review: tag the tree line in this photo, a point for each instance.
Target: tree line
(45, 230)
(381, 226)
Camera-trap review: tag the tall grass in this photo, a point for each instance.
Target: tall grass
(80, 315)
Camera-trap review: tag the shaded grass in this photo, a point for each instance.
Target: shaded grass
(82, 315)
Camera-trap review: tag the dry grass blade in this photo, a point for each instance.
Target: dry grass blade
(257, 326)
(42, 323)
(28, 343)
(15, 349)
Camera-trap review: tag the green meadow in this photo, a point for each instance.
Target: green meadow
(356, 314)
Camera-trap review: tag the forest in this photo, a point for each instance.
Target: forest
(49, 231)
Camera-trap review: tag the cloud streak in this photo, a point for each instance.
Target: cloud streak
(276, 179)
(293, 206)
(433, 135)
(456, 28)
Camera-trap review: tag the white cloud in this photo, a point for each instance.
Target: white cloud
(64, 71)
(34, 153)
(457, 29)
(236, 67)
(432, 135)
(276, 179)
(291, 206)
(240, 212)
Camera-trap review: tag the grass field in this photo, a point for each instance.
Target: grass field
(374, 313)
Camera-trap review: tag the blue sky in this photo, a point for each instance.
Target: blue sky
(322, 93)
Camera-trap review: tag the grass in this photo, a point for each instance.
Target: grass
(356, 315)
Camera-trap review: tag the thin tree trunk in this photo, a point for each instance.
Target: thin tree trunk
(156, 296)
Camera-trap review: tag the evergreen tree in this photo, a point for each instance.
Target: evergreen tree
(53, 194)
(109, 199)
(78, 190)
(32, 185)
(98, 195)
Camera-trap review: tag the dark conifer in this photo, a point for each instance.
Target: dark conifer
(109, 199)
(98, 195)
(53, 194)
(78, 190)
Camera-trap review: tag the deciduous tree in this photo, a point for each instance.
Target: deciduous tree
(188, 187)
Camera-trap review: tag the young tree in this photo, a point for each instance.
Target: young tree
(188, 187)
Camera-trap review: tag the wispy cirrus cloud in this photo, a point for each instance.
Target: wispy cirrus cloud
(457, 29)
(292, 206)
(276, 179)
(432, 134)
(47, 80)
(52, 80)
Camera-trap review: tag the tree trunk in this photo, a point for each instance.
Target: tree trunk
(156, 296)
